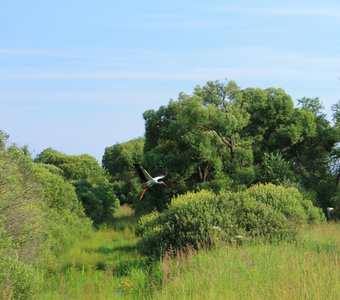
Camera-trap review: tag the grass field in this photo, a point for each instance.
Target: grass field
(104, 266)
(310, 269)
(107, 266)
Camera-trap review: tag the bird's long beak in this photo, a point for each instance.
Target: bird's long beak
(165, 184)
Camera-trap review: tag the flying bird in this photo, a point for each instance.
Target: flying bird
(148, 180)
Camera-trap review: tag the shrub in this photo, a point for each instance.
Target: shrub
(17, 280)
(65, 217)
(187, 221)
(258, 221)
(204, 218)
(287, 200)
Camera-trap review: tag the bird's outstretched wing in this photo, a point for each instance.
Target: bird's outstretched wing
(143, 174)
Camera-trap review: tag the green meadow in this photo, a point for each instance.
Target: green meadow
(107, 265)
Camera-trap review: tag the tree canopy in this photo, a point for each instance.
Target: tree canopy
(91, 183)
(224, 137)
(118, 161)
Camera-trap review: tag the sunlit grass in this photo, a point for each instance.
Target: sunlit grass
(106, 265)
(307, 270)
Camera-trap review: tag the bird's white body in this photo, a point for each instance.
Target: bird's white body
(148, 180)
(153, 181)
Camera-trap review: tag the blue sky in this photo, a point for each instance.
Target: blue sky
(78, 75)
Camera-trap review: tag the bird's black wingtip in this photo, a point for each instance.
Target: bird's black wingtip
(139, 170)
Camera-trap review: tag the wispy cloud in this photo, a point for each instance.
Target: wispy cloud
(273, 9)
(193, 73)
(135, 64)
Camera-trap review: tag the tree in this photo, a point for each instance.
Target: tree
(310, 156)
(336, 118)
(275, 169)
(118, 161)
(223, 114)
(91, 182)
(216, 138)
(270, 112)
(313, 105)
(196, 139)
(40, 216)
(21, 216)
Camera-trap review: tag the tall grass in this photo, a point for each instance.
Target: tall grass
(106, 265)
(309, 269)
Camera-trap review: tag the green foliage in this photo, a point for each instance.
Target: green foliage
(189, 220)
(270, 110)
(40, 217)
(275, 169)
(204, 218)
(258, 221)
(310, 157)
(66, 218)
(311, 104)
(118, 161)
(216, 185)
(57, 192)
(222, 133)
(91, 183)
(98, 199)
(17, 280)
(287, 200)
(74, 167)
(197, 139)
(104, 265)
(21, 203)
(335, 203)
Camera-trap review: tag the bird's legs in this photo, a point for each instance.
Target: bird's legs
(144, 190)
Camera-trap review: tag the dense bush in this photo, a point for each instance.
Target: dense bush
(17, 280)
(40, 216)
(204, 218)
(66, 219)
(189, 220)
(258, 221)
(287, 200)
(91, 183)
(21, 203)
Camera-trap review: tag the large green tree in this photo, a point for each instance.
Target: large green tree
(271, 111)
(92, 184)
(311, 156)
(223, 137)
(197, 140)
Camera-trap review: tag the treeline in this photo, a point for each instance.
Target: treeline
(223, 137)
(40, 217)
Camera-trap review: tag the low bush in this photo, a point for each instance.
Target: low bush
(287, 200)
(256, 221)
(189, 220)
(204, 219)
